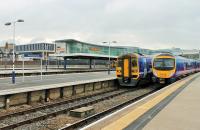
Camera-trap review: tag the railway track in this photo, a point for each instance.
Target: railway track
(13, 120)
(40, 107)
(100, 115)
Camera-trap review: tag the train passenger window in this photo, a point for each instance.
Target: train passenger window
(188, 66)
(119, 62)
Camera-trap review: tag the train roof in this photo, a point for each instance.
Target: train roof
(136, 54)
(176, 56)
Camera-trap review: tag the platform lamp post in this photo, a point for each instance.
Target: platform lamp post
(8, 24)
(109, 53)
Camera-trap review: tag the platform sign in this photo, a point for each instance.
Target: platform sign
(32, 55)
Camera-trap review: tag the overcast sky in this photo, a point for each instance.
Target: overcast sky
(149, 24)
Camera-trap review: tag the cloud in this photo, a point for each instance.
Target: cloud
(154, 24)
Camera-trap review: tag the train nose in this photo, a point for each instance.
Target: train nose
(162, 74)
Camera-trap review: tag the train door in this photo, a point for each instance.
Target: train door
(145, 67)
(126, 67)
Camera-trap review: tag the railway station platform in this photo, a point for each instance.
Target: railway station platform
(50, 81)
(36, 71)
(33, 88)
(175, 107)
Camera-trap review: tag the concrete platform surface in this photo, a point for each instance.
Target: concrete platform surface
(182, 113)
(175, 107)
(38, 70)
(51, 81)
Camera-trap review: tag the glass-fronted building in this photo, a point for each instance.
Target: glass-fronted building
(70, 46)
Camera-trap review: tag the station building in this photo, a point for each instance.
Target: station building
(74, 52)
(71, 46)
(36, 49)
(74, 49)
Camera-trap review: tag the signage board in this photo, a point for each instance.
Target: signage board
(33, 55)
(94, 49)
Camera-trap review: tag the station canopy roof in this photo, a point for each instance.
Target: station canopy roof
(83, 56)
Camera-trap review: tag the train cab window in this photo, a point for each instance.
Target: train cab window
(119, 62)
(164, 63)
(134, 62)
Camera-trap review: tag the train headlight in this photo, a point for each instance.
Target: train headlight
(171, 74)
(155, 74)
(118, 71)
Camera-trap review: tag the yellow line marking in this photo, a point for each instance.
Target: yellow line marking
(124, 121)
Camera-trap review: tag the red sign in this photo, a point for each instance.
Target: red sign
(94, 49)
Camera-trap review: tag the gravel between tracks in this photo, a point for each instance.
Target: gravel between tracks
(63, 119)
(15, 119)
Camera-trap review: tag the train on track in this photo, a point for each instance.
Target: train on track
(167, 68)
(162, 68)
(133, 68)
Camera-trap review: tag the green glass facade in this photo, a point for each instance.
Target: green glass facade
(74, 46)
(94, 49)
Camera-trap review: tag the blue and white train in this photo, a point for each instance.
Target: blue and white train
(132, 68)
(167, 67)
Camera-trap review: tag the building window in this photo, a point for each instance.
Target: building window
(40, 46)
(34, 47)
(43, 46)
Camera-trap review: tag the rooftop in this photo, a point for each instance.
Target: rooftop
(76, 41)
